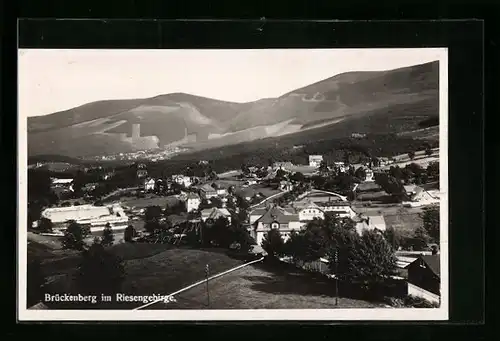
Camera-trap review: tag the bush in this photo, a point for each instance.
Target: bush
(129, 234)
(107, 236)
(74, 236)
(100, 272)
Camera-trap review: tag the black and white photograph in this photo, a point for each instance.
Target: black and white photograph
(237, 184)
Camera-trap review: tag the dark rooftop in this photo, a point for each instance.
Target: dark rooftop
(277, 214)
(433, 261)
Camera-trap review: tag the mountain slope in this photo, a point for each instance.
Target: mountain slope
(381, 101)
(346, 94)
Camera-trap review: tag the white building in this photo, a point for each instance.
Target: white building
(96, 217)
(207, 191)
(275, 218)
(371, 222)
(343, 168)
(149, 184)
(369, 176)
(341, 208)
(182, 180)
(420, 197)
(308, 210)
(192, 201)
(315, 160)
(221, 191)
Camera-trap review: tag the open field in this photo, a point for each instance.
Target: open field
(431, 133)
(230, 182)
(150, 269)
(262, 287)
(405, 224)
(386, 209)
(401, 219)
(149, 200)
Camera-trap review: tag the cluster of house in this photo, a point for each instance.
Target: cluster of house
(192, 200)
(62, 186)
(310, 205)
(151, 184)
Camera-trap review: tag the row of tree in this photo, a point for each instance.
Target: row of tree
(75, 235)
(366, 261)
(414, 173)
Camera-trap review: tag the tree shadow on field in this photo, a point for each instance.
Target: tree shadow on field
(289, 280)
(293, 283)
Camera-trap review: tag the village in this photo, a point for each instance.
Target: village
(391, 197)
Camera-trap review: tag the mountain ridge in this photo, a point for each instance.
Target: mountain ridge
(105, 127)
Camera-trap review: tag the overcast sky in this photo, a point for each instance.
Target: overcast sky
(56, 80)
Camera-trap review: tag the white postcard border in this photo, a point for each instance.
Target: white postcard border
(374, 314)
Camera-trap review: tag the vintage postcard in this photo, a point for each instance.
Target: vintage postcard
(273, 184)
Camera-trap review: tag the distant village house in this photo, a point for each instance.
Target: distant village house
(192, 201)
(183, 180)
(315, 160)
(208, 192)
(149, 184)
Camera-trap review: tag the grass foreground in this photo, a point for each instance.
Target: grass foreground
(262, 287)
(161, 269)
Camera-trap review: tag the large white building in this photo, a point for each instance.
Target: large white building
(96, 217)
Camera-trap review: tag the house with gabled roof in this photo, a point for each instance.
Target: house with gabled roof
(424, 277)
(275, 217)
(369, 221)
(307, 210)
(191, 200)
(149, 184)
(342, 209)
(419, 196)
(207, 191)
(215, 213)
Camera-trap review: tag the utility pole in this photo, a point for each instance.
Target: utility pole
(207, 274)
(336, 277)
